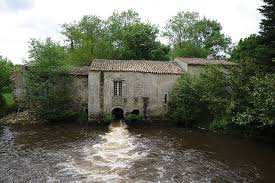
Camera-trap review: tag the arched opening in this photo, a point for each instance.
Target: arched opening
(118, 114)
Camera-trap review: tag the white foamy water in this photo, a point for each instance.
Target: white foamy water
(107, 160)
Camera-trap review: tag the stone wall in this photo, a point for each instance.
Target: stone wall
(80, 92)
(18, 85)
(145, 92)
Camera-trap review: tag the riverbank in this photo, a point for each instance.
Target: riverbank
(21, 118)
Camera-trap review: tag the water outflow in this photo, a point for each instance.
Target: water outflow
(108, 160)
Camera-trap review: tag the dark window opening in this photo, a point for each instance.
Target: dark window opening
(136, 112)
(165, 98)
(118, 88)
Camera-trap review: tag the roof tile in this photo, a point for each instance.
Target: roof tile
(201, 61)
(145, 66)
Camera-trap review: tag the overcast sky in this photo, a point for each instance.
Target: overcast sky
(24, 19)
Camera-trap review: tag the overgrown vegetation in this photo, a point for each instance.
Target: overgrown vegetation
(48, 81)
(241, 98)
(6, 98)
(229, 100)
(130, 118)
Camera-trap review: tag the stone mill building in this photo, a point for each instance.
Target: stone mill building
(126, 86)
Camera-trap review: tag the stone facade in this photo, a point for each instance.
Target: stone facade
(146, 93)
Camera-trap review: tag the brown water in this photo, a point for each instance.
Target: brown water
(74, 153)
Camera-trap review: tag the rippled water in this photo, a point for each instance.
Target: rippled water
(74, 153)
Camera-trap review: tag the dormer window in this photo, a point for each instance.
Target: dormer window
(118, 88)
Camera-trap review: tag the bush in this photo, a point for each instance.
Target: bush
(7, 104)
(240, 98)
(107, 117)
(133, 118)
(185, 106)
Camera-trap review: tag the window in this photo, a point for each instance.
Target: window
(165, 98)
(118, 88)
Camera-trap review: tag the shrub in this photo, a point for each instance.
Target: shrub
(133, 118)
(48, 82)
(107, 117)
(185, 106)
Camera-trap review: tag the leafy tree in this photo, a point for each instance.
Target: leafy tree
(121, 36)
(250, 49)
(6, 99)
(189, 50)
(6, 67)
(267, 28)
(139, 42)
(87, 40)
(48, 81)
(180, 27)
(133, 39)
(205, 34)
(185, 107)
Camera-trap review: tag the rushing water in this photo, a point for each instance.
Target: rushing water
(74, 153)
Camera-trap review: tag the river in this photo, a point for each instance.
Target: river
(75, 153)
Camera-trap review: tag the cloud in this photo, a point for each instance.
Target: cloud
(11, 6)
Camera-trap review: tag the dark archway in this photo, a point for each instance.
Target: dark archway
(118, 113)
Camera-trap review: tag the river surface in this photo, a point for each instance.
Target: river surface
(74, 153)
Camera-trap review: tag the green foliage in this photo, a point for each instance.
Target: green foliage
(5, 74)
(86, 40)
(133, 39)
(250, 49)
(133, 118)
(48, 81)
(9, 99)
(189, 50)
(240, 98)
(121, 36)
(185, 107)
(6, 100)
(267, 32)
(7, 104)
(107, 117)
(234, 98)
(188, 33)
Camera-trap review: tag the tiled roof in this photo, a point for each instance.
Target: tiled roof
(80, 70)
(145, 66)
(201, 61)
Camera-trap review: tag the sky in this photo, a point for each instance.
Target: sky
(21, 20)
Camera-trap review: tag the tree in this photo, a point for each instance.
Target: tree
(139, 43)
(48, 81)
(189, 50)
(87, 40)
(250, 49)
(179, 28)
(121, 36)
(267, 25)
(187, 28)
(133, 39)
(6, 67)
